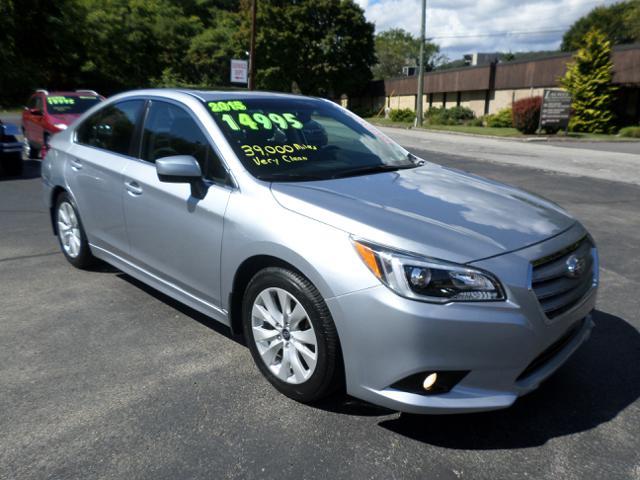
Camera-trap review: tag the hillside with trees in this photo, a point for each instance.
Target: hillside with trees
(317, 47)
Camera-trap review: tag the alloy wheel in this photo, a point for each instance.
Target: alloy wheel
(69, 229)
(284, 335)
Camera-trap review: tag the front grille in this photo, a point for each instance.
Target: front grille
(556, 288)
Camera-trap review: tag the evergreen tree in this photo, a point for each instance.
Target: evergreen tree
(588, 79)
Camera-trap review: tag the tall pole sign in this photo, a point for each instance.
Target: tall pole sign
(421, 66)
(252, 47)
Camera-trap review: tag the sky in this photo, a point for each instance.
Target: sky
(467, 26)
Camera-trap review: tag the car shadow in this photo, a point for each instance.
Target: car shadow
(597, 383)
(30, 169)
(179, 306)
(338, 402)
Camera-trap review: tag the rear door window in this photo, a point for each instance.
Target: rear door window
(112, 128)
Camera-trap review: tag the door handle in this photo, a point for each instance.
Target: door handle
(133, 187)
(76, 164)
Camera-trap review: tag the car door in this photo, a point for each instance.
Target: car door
(28, 118)
(104, 144)
(38, 121)
(173, 235)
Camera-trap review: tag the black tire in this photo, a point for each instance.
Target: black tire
(13, 165)
(328, 375)
(84, 258)
(34, 151)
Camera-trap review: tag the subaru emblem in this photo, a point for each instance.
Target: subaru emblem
(575, 266)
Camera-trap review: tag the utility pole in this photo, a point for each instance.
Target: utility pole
(421, 66)
(252, 47)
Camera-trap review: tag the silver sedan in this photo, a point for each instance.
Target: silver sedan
(343, 259)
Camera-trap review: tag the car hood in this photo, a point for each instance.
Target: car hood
(430, 210)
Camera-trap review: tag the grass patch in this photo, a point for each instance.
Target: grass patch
(387, 122)
(501, 131)
(492, 131)
(11, 111)
(596, 137)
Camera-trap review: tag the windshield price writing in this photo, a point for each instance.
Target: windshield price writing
(233, 114)
(56, 100)
(274, 154)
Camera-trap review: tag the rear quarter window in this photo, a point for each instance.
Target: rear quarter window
(111, 128)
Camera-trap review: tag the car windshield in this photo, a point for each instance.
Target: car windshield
(304, 139)
(71, 104)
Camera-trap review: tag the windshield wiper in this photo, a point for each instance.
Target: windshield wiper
(371, 169)
(299, 176)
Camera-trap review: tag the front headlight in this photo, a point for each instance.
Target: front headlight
(428, 279)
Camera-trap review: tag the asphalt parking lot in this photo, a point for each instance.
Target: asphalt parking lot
(103, 377)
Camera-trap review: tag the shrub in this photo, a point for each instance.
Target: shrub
(502, 119)
(402, 115)
(435, 116)
(476, 122)
(460, 114)
(630, 132)
(449, 116)
(526, 114)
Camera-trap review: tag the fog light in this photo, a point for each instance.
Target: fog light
(429, 381)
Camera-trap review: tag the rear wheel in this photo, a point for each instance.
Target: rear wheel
(71, 235)
(291, 335)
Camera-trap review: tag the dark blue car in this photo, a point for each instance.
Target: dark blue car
(10, 149)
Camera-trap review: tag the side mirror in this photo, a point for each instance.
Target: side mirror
(182, 169)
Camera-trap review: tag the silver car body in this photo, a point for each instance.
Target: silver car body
(192, 251)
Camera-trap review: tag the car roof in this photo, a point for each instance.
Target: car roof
(215, 95)
(75, 94)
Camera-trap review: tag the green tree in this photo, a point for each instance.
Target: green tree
(632, 19)
(135, 43)
(324, 47)
(211, 51)
(615, 21)
(396, 48)
(588, 79)
(40, 45)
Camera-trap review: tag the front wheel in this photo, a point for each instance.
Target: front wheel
(71, 235)
(291, 335)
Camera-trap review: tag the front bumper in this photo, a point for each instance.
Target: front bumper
(10, 149)
(386, 338)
